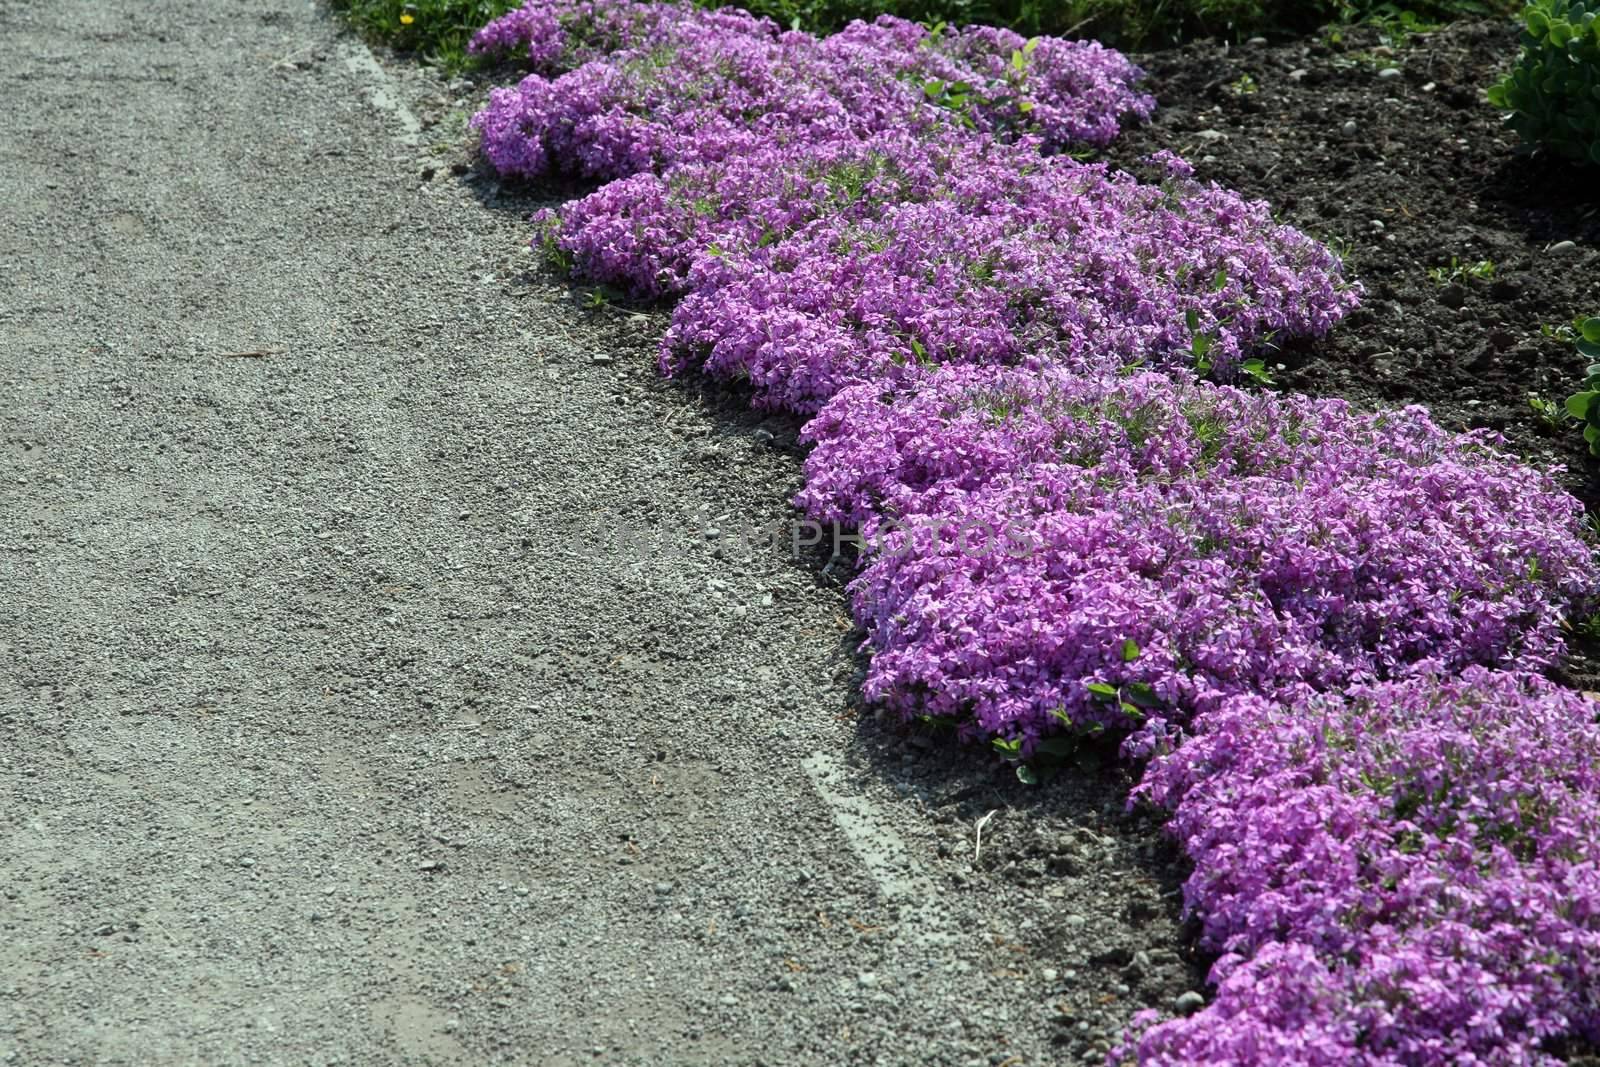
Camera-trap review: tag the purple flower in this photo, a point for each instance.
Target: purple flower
(1026, 524)
(1408, 873)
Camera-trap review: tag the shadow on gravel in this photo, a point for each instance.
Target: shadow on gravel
(517, 198)
(1072, 842)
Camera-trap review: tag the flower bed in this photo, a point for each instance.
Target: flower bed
(879, 228)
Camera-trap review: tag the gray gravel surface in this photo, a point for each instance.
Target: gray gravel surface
(340, 727)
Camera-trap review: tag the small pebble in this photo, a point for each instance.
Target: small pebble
(1563, 248)
(1389, 72)
(1189, 1003)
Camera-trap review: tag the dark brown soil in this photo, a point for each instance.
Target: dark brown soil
(1404, 173)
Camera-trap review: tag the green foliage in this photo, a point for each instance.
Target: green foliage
(1457, 271)
(1550, 413)
(1553, 93)
(1130, 22)
(1585, 404)
(437, 30)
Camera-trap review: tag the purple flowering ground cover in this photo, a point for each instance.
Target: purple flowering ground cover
(1320, 628)
(1403, 873)
(1028, 524)
(1043, 261)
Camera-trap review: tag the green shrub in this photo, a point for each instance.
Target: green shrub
(435, 29)
(1128, 23)
(439, 29)
(1553, 94)
(1585, 404)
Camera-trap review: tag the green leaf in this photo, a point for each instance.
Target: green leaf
(1200, 345)
(933, 88)
(1101, 690)
(1008, 749)
(1130, 711)
(1589, 350)
(1027, 49)
(1019, 62)
(1591, 330)
(1025, 106)
(1057, 746)
(1578, 404)
(1130, 650)
(1026, 775)
(1143, 694)
(1219, 281)
(1192, 318)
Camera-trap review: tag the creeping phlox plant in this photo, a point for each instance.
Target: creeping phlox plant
(1066, 527)
(697, 87)
(555, 36)
(1044, 261)
(1079, 537)
(643, 233)
(1408, 873)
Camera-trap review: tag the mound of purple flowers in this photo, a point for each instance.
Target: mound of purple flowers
(1044, 262)
(1405, 874)
(554, 36)
(1036, 532)
(643, 233)
(689, 86)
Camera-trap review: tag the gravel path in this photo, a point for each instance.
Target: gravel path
(337, 730)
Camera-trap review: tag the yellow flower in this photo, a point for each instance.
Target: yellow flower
(407, 19)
